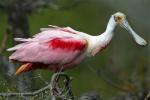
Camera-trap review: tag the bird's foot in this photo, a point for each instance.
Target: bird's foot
(60, 86)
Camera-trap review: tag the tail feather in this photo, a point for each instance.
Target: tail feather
(22, 39)
(30, 66)
(24, 68)
(16, 47)
(13, 48)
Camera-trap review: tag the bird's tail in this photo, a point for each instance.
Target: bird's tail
(30, 66)
(24, 68)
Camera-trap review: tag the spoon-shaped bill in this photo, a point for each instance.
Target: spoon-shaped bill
(139, 40)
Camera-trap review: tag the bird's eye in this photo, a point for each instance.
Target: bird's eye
(117, 18)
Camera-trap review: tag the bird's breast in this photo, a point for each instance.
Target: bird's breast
(96, 45)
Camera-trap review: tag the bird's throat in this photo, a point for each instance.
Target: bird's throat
(110, 26)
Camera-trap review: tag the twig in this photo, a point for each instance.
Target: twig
(65, 92)
(26, 94)
(53, 88)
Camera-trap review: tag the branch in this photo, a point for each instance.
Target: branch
(52, 90)
(26, 94)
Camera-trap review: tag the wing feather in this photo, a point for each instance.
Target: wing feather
(55, 51)
(54, 45)
(49, 33)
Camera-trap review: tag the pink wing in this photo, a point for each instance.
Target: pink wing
(50, 33)
(55, 51)
(47, 34)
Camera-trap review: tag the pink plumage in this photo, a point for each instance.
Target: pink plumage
(59, 48)
(53, 48)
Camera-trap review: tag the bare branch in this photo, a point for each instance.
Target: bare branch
(26, 94)
(52, 90)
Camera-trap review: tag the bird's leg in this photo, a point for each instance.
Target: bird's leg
(60, 86)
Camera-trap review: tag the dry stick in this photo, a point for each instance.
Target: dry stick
(44, 89)
(58, 92)
(26, 94)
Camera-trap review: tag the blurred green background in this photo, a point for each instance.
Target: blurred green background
(123, 67)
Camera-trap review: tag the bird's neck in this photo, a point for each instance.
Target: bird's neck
(110, 26)
(102, 41)
(108, 34)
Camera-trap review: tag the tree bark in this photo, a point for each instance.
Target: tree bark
(18, 26)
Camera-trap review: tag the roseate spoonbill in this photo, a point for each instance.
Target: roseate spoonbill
(58, 48)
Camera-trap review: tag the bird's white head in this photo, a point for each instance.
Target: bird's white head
(120, 19)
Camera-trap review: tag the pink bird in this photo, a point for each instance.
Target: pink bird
(57, 48)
